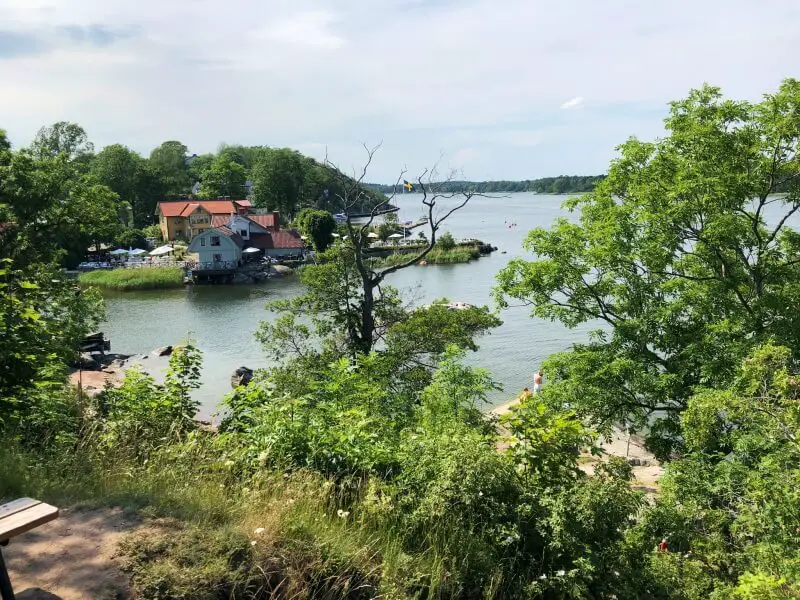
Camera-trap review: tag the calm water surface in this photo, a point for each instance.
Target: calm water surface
(223, 318)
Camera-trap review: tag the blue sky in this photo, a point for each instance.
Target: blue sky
(496, 89)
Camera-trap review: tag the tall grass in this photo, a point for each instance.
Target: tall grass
(144, 278)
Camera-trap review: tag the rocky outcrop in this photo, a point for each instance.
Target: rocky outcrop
(241, 376)
(163, 351)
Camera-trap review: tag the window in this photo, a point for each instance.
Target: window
(202, 241)
(218, 258)
(215, 240)
(243, 233)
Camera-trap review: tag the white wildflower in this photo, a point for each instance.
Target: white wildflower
(343, 514)
(259, 530)
(561, 573)
(542, 576)
(252, 542)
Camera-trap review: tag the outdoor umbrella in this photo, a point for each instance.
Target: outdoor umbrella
(137, 252)
(395, 236)
(118, 252)
(250, 250)
(372, 235)
(162, 250)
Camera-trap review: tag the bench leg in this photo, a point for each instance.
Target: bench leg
(6, 592)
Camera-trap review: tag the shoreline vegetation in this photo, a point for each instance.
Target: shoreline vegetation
(563, 184)
(149, 278)
(437, 256)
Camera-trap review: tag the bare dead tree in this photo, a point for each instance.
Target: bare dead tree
(354, 194)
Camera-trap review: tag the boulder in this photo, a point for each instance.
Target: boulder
(163, 351)
(87, 362)
(241, 376)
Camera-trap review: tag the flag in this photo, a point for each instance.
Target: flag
(408, 185)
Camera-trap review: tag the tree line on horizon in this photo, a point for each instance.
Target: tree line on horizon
(563, 184)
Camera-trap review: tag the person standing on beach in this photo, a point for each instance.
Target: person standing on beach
(537, 382)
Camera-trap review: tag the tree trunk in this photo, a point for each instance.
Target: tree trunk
(367, 317)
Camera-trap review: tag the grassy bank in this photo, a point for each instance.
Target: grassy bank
(145, 278)
(209, 534)
(437, 256)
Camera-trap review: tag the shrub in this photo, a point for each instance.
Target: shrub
(446, 241)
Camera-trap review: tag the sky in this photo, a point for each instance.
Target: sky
(493, 89)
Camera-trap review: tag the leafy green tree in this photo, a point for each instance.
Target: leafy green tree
(278, 178)
(59, 212)
(198, 164)
(63, 138)
(169, 161)
(318, 226)
(118, 168)
(682, 255)
(223, 178)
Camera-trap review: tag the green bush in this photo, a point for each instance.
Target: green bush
(446, 241)
(134, 279)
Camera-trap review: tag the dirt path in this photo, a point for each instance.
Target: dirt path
(72, 557)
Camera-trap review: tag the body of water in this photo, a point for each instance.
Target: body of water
(222, 319)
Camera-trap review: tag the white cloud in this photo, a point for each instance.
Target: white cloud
(339, 72)
(311, 28)
(576, 102)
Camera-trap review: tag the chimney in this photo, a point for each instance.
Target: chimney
(277, 218)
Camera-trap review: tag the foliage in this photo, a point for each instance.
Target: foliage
(446, 241)
(58, 211)
(437, 256)
(65, 138)
(169, 161)
(278, 181)
(286, 181)
(134, 279)
(223, 178)
(152, 231)
(545, 444)
(42, 319)
(318, 226)
(130, 238)
(132, 178)
(682, 255)
(141, 415)
(563, 184)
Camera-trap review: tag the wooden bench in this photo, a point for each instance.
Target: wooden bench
(16, 518)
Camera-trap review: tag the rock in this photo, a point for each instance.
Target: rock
(163, 351)
(87, 362)
(241, 376)
(282, 269)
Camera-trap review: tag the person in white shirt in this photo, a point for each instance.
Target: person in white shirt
(537, 382)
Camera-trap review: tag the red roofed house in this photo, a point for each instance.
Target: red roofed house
(263, 232)
(184, 219)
